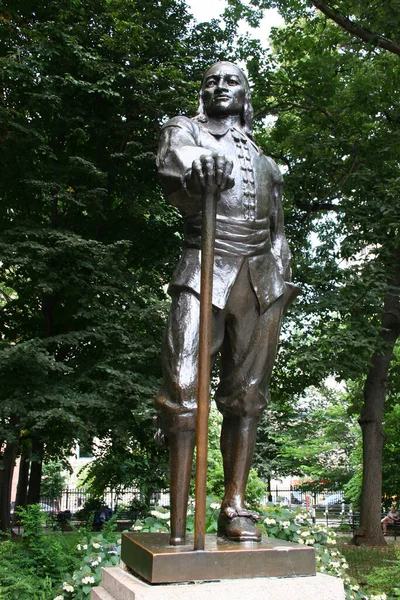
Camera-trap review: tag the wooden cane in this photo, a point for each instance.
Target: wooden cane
(203, 387)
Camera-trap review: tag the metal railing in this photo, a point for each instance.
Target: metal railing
(75, 499)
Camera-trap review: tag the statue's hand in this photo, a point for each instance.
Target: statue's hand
(210, 173)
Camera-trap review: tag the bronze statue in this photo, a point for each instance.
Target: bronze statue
(251, 289)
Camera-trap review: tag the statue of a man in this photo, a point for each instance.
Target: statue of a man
(251, 289)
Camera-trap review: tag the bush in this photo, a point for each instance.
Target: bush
(30, 569)
(159, 519)
(94, 553)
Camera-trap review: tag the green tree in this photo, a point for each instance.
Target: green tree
(53, 480)
(86, 239)
(336, 133)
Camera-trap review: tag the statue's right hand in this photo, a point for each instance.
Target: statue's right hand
(210, 173)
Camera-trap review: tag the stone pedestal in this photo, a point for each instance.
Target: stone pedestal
(150, 557)
(118, 584)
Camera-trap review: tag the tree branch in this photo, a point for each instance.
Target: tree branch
(364, 34)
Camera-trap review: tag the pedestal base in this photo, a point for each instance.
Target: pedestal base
(120, 585)
(150, 556)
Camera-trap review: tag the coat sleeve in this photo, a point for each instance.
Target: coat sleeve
(178, 148)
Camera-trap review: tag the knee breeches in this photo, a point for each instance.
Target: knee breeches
(246, 341)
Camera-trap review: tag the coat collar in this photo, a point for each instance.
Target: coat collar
(219, 130)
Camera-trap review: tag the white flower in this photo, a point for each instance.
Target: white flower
(96, 545)
(96, 562)
(299, 519)
(355, 588)
(335, 564)
(310, 541)
(88, 579)
(269, 521)
(137, 527)
(84, 547)
(331, 540)
(119, 541)
(214, 505)
(160, 515)
(305, 534)
(164, 516)
(285, 524)
(59, 598)
(79, 547)
(67, 587)
(300, 541)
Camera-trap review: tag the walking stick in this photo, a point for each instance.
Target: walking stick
(203, 387)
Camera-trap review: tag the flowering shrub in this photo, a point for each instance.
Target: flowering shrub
(296, 526)
(95, 553)
(160, 519)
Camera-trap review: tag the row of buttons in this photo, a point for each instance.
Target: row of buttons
(249, 194)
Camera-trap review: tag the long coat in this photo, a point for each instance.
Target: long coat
(249, 216)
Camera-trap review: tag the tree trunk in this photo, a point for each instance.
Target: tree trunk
(6, 473)
(269, 488)
(371, 420)
(36, 473)
(23, 478)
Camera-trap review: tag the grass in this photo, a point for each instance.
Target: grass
(362, 560)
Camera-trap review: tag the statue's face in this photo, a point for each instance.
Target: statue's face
(223, 90)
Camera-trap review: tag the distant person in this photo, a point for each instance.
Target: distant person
(101, 516)
(391, 517)
(105, 513)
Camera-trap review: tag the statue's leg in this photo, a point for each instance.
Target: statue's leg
(176, 403)
(181, 445)
(247, 359)
(238, 437)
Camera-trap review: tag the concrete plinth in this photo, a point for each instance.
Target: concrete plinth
(118, 584)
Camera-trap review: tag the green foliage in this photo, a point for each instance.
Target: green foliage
(87, 241)
(32, 568)
(314, 437)
(53, 480)
(367, 564)
(37, 568)
(159, 519)
(386, 579)
(48, 556)
(94, 553)
(17, 579)
(296, 526)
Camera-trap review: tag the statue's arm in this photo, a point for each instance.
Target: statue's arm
(177, 150)
(187, 169)
(280, 247)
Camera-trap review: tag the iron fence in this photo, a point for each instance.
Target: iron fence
(75, 499)
(323, 507)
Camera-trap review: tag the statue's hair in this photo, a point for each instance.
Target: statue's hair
(247, 112)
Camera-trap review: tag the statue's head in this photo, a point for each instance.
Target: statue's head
(226, 91)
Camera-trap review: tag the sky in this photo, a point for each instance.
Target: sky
(204, 10)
